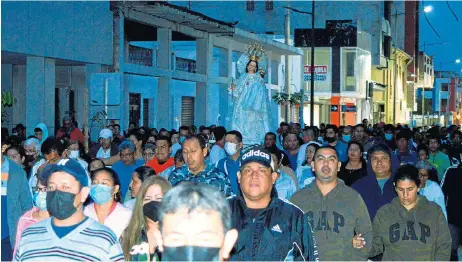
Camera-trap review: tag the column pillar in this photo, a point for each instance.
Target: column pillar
(204, 59)
(164, 90)
(40, 93)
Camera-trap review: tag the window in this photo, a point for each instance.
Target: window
(250, 6)
(269, 5)
(444, 87)
(187, 110)
(134, 108)
(146, 112)
(350, 56)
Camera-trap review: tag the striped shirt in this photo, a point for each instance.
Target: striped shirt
(90, 241)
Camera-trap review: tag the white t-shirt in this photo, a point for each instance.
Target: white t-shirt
(102, 154)
(117, 220)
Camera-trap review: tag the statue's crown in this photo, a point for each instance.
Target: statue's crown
(255, 52)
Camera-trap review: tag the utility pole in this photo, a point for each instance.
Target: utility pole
(312, 67)
(395, 68)
(287, 73)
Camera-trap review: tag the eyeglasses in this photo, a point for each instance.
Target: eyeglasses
(423, 176)
(39, 189)
(32, 152)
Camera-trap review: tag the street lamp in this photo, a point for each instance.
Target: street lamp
(428, 9)
(457, 61)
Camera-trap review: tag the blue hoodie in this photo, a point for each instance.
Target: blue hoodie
(373, 196)
(44, 129)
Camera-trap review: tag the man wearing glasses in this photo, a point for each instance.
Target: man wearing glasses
(126, 165)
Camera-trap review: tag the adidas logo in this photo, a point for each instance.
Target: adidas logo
(276, 228)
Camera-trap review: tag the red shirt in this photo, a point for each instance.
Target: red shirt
(159, 168)
(76, 135)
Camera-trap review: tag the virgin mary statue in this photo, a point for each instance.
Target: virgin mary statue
(251, 112)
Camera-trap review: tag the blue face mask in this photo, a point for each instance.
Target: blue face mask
(388, 137)
(100, 193)
(40, 200)
(182, 138)
(346, 138)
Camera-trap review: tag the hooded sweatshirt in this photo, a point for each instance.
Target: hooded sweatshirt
(44, 129)
(418, 234)
(335, 219)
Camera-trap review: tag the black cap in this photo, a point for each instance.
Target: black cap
(20, 126)
(257, 154)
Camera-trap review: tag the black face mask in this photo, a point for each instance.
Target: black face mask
(29, 159)
(60, 204)
(190, 253)
(150, 210)
(330, 139)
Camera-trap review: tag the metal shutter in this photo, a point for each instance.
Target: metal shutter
(187, 110)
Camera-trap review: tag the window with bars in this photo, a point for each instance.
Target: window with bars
(250, 6)
(269, 5)
(187, 110)
(145, 112)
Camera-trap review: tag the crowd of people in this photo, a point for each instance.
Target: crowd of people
(378, 192)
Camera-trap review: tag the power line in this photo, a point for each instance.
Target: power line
(426, 18)
(455, 16)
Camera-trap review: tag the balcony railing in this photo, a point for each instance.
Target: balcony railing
(139, 55)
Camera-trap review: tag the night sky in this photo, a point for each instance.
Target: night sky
(450, 31)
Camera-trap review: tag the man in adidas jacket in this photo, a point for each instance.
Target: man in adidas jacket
(270, 229)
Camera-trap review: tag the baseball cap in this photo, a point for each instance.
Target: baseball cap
(69, 166)
(257, 154)
(105, 133)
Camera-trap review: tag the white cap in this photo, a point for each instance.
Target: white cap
(105, 133)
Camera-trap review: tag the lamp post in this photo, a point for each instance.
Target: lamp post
(302, 90)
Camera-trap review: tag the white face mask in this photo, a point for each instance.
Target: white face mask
(230, 148)
(74, 154)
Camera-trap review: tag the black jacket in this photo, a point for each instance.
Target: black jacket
(453, 195)
(278, 232)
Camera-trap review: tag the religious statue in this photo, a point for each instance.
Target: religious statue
(251, 111)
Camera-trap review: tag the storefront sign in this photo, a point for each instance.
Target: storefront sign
(319, 70)
(348, 108)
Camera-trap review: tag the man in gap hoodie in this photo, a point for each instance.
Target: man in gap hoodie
(336, 212)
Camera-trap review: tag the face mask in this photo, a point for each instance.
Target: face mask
(190, 253)
(330, 139)
(388, 137)
(150, 210)
(40, 200)
(346, 138)
(182, 138)
(29, 159)
(74, 154)
(100, 193)
(61, 204)
(230, 148)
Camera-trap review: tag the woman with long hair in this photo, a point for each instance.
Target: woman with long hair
(107, 208)
(141, 227)
(138, 177)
